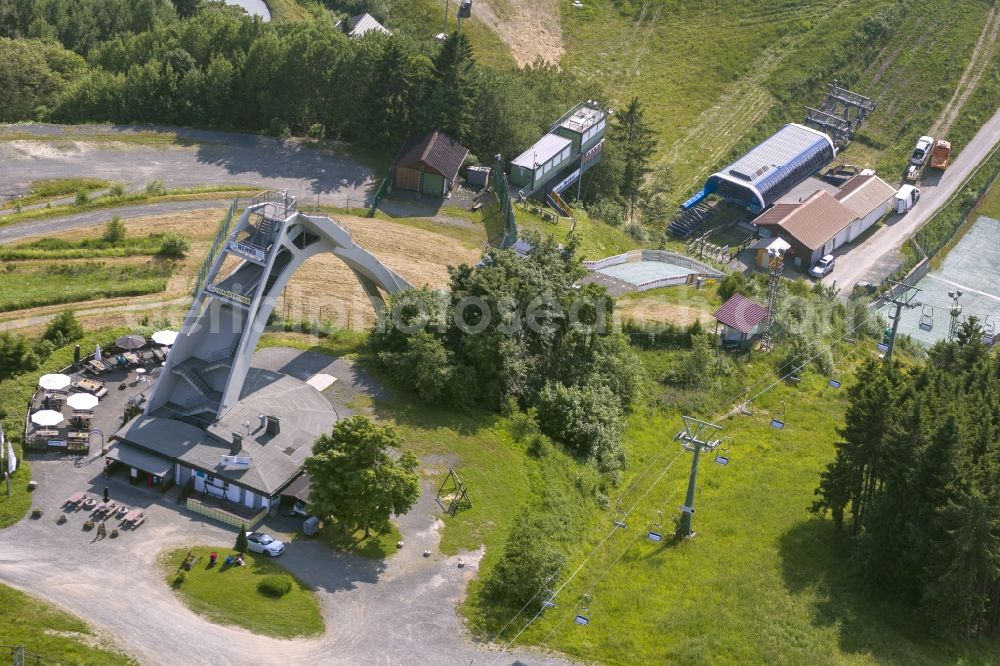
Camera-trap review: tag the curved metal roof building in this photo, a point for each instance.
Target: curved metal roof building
(773, 167)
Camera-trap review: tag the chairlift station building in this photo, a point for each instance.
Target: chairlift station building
(776, 165)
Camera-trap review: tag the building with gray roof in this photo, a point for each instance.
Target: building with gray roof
(773, 167)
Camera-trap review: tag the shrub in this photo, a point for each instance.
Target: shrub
(117, 190)
(609, 211)
(588, 419)
(82, 198)
(528, 564)
(114, 231)
(275, 585)
(241, 540)
(732, 284)
(174, 246)
(155, 188)
(317, 132)
(63, 328)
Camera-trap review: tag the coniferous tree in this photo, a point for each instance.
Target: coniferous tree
(636, 144)
(452, 97)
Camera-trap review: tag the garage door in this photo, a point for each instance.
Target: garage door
(407, 179)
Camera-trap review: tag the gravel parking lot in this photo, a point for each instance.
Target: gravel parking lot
(398, 611)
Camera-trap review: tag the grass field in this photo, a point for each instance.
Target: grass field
(43, 190)
(110, 201)
(31, 284)
(717, 77)
(229, 595)
(50, 633)
(990, 205)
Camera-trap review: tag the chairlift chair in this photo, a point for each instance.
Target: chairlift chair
(989, 331)
(722, 457)
(653, 533)
(778, 416)
(927, 318)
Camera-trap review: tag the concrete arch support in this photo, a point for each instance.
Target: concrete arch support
(209, 362)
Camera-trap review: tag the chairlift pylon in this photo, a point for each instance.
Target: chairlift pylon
(927, 318)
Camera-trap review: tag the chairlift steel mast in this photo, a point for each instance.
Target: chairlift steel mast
(901, 295)
(694, 438)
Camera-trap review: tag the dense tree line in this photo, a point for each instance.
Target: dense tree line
(516, 333)
(916, 480)
(222, 69)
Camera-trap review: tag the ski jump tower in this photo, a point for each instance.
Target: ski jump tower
(208, 364)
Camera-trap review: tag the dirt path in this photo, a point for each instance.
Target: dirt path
(978, 62)
(529, 27)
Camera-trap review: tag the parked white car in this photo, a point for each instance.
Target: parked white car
(258, 542)
(921, 151)
(822, 267)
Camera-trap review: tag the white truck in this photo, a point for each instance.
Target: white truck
(905, 198)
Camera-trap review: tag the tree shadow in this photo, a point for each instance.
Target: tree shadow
(815, 559)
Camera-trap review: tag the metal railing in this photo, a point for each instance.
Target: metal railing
(217, 243)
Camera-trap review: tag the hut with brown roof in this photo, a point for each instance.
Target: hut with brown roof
(428, 164)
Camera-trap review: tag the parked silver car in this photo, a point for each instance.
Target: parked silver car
(822, 267)
(258, 542)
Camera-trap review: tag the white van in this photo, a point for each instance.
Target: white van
(905, 198)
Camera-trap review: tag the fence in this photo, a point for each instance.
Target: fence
(231, 519)
(383, 189)
(655, 255)
(502, 189)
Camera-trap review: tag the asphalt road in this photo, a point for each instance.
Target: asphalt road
(397, 611)
(877, 257)
(204, 158)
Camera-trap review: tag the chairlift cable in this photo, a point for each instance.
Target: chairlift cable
(725, 405)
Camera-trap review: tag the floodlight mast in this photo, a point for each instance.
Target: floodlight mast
(692, 438)
(955, 311)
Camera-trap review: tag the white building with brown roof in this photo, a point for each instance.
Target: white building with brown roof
(823, 222)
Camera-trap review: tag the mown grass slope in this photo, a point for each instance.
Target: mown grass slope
(716, 77)
(50, 633)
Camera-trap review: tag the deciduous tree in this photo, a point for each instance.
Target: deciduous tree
(354, 478)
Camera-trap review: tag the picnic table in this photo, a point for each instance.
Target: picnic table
(75, 499)
(91, 386)
(96, 366)
(77, 435)
(133, 517)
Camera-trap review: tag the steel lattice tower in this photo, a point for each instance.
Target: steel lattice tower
(774, 269)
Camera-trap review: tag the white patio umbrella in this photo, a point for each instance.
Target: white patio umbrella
(165, 338)
(82, 401)
(54, 382)
(97, 353)
(47, 417)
